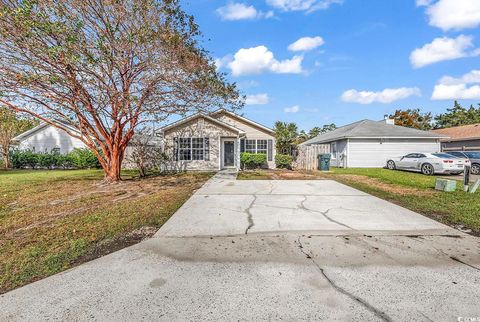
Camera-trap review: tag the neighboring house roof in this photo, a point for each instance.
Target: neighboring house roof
(244, 119)
(196, 116)
(372, 129)
(41, 126)
(461, 133)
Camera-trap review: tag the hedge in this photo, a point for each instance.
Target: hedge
(78, 158)
(252, 160)
(283, 161)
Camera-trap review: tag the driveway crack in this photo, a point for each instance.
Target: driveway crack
(248, 211)
(380, 314)
(324, 213)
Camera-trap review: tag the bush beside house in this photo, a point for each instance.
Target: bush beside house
(283, 161)
(253, 160)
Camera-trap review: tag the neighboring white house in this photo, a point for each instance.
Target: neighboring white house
(368, 144)
(47, 138)
(214, 141)
(199, 142)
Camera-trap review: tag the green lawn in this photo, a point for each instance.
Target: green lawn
(51, 220)
(408, 189)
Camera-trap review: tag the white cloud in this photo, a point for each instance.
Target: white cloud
(302, 5)
(222, 62)
(441, 49)
(452, 14)
(464, 87)
(256, 60)
(293, 109)
(257, 99)
(306, 43)
(388, 95)
(241, 11)
(423, 3)
(469, 78)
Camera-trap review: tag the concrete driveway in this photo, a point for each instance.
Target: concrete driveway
(272, 250)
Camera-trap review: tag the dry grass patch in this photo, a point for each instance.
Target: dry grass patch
(51, 220)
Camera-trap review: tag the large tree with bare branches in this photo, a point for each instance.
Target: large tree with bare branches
(105, 67)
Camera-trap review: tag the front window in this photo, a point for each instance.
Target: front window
(262, 146)
(250, 146)
(197, 148)
(191, 149)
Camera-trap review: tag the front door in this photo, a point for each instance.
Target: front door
(228, 153)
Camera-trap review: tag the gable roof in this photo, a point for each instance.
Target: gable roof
(39, 127)
(199, 115)
(244, 119)
(372, 129)
(461, 133)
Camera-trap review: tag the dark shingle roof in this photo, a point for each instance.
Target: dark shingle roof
(371, 129)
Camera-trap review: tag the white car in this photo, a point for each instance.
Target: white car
(429, 163)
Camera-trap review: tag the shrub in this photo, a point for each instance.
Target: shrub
(21, 159)
(47, 160)
(83, 159)
(283, 161)
(63, 161)
(252, 160)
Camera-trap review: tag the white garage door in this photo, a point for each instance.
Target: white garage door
(374, 154)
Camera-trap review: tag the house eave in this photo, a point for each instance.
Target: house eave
(246, 120)
(195, 116)
(373, 137)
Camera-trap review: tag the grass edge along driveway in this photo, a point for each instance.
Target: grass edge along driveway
(410, 190)
(53, 220)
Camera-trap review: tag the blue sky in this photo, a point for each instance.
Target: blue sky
(362, 58)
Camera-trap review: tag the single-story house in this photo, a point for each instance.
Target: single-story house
(460, 138)
(368, 144)
(214, 141)
(201, 141)
(45, 138)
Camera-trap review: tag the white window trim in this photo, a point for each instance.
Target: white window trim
(256, 146)
(191, 149)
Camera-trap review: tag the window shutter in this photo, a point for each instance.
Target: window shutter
(175, 149)
(242, 145)
(207, 149)
(270, 150)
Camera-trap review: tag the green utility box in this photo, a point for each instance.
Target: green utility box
(324, 161)
(446, 185)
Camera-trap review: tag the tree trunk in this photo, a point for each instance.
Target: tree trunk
(113, 167)
(6, 161)
(6, 158)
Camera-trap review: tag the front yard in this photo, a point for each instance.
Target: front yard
(413, 191)
(53, 220)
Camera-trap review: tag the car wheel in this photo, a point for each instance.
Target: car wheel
(391, 165)
(427, 169)
(475, 169)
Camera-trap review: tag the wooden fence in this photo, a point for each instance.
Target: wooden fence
(307, 157)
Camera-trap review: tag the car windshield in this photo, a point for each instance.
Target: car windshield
(444, 156)
(473, 155)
